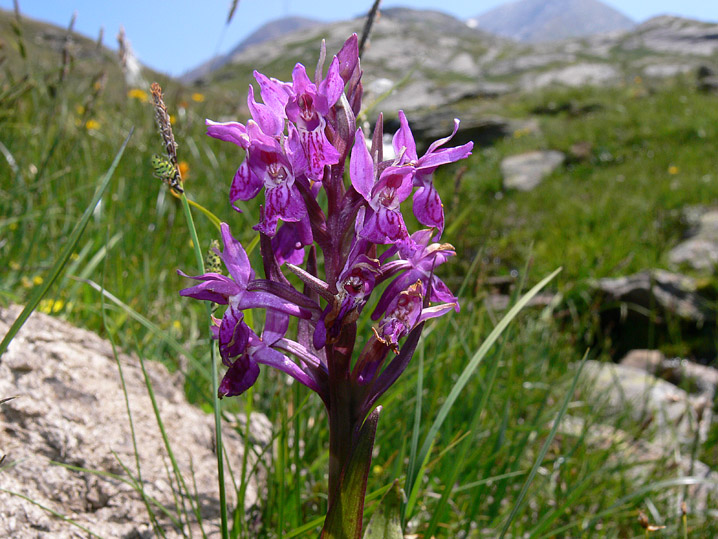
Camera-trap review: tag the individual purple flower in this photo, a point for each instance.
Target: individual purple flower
(354, 286)
(244, 369)
(427, 204)
(419, 258)
(306, 105)
(382, 222)
(307, 108)
(232, 332)
(273, 166)
(404, 313)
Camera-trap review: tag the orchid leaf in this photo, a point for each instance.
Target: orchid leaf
(385, 523)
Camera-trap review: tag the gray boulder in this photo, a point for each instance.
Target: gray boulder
(700, 250)
(69, 409)
(674, 418)
(670, 292)
(667, 34)
(526, 171)
(573, 76)
(699, 380)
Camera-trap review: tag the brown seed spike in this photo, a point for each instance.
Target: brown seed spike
(163, 122)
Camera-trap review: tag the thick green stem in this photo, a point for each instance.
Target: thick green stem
(346, 510)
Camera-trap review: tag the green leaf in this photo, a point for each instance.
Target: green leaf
(344, 519)
(416, 472)
(385, 523)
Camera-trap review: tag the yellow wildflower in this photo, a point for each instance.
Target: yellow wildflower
(138, 94)
(92, 125)
(673, 170)
(199, 98)
(49, 306)
(37, 280)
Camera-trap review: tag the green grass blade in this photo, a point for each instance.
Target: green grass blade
(154, 328)
(466, 375)
(51, 511)
(417, 417)
(216, 405)
(64, 255)
(461, 457)
(539, 459)
(168, 447)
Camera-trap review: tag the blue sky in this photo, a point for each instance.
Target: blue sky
(175, 35)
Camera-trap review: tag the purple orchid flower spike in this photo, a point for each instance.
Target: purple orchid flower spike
(341, 241)
(427, 204)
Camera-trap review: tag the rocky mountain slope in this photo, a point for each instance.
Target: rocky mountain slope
(536, 21)
(265, 33)
(426, 59)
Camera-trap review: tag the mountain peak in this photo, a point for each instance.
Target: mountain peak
(549, 20)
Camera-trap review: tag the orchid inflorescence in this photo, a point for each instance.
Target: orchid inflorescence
(297, 143)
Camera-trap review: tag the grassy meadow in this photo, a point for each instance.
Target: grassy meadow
(610, 212)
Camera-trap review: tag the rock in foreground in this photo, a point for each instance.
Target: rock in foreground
(70, 408)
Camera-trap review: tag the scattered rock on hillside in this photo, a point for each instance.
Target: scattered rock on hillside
(670, 413)
(69, 407)
(707, 79)
(525, 171)
(573, 76)
(697, 379)
(637, 456)
(667, 34)
(670, 292)
(700, 249)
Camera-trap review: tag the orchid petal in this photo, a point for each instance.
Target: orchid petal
(428, 208)
(235, 258)
(245, 185)
(230, 132)
(403, 140)
(239, 378)
(361, 167)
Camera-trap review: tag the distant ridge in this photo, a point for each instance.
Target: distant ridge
(267, 32)
(549, 20)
